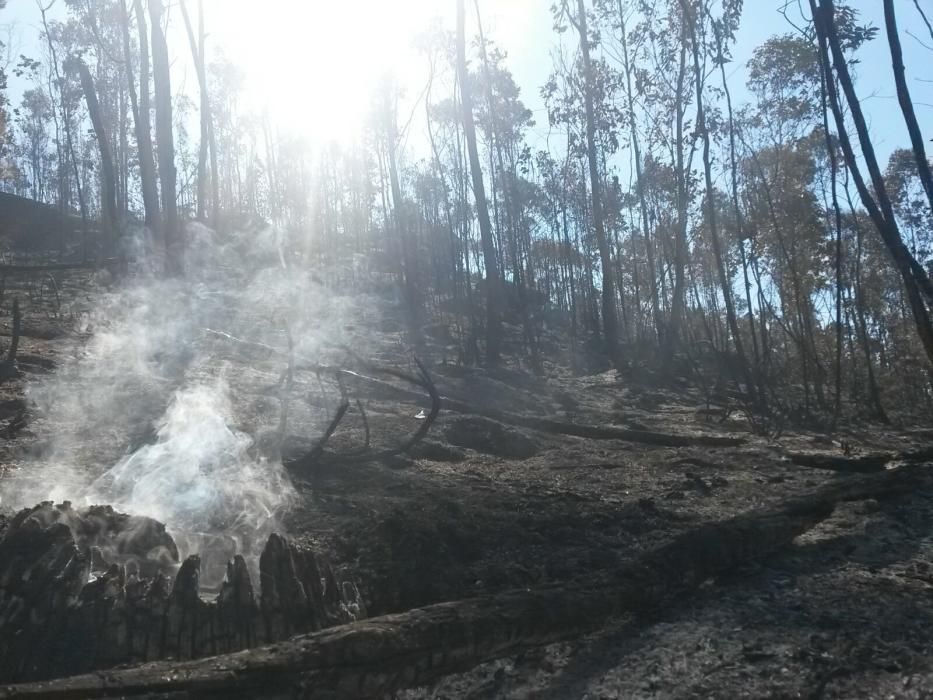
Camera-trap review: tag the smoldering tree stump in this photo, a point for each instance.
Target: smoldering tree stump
(83, 590)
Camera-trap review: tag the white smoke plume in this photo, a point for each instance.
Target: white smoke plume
(157, 417)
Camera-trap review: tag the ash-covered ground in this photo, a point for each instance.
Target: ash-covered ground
(171, 402)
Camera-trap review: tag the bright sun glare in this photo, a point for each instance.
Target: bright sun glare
(314, 65)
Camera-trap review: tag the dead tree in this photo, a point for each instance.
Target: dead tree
(140, 107)
(208, 141)
(490, 261)
(541, 423)
(165, 138)
(108, 181)
(610, 319)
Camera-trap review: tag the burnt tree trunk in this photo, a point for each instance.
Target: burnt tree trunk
(108, 177)
(490, 262)
(207, 122)
(725, 281)
(610, 318)
(140, 104)
(917, 285)
(166, 140)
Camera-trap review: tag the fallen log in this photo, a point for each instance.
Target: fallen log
(608, 432)
(554, 427)
(863, 464)
(859, 464)
(547, 425)
(58, 267)
(380, 655)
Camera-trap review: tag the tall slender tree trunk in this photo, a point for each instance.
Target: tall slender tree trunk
(203, 146)
(739, 218)
(692, 17)
(511, 213)
(493, 287)
(66, 119)
(610, 319)
(639, 178)
(140, 105)
(208, 142)
(837, 222)
(167, 176)
(409, 261)
(108, 178)
(678, 301)
(907, 105)
(916, 281)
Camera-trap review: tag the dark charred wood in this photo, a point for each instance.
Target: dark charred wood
(551, 426)
(57, 267)
(316, 454)
(860, 464)
(381, 655)
(863, 464)
(82, 590)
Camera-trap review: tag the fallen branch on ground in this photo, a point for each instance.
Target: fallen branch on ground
(547, 425)
(317, 452)
(378, 656)
(53, 267)
(308, 460)
(862, 464)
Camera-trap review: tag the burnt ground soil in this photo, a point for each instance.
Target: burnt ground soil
(847, 611)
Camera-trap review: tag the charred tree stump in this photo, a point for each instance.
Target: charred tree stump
(86, 590)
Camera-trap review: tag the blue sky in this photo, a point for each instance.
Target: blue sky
(313, 61)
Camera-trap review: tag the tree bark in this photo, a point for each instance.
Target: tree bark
(692, 17)
(907, 105)
(916, 282)
(108, 178)
(610, 319)
(207, 123)
(165, 137)
(493, 286)
(147, 172)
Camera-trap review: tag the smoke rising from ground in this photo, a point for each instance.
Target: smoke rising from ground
(158, 417)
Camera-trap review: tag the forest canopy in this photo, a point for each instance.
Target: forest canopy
(665, 196)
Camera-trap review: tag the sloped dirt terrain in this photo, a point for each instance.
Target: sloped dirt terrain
(484, 505)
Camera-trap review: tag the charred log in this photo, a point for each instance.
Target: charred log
(87, 590)
(380, 655)
(858, 464)
(380, 387)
